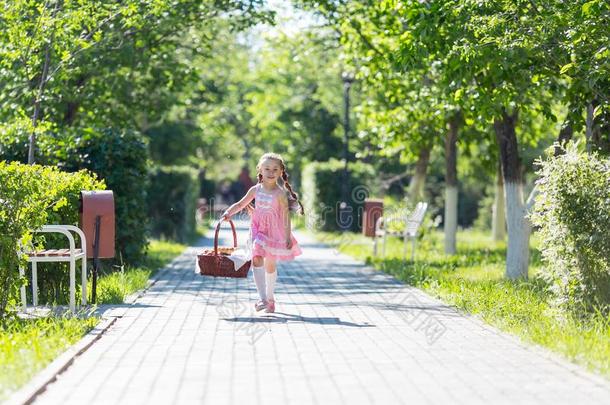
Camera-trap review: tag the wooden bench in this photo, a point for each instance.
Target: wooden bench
(71, 255)
(408, 224)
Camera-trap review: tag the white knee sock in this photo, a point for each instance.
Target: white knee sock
(271, 277)
(259, 280)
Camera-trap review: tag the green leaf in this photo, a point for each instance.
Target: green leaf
(586, 8)
(565, 68)
(459, 93)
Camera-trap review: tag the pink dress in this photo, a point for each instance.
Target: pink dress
(268, 227)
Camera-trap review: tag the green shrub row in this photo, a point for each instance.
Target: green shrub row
(119, 157)
(573, 214)
(32, 196)
(172, 201)
(323, 187)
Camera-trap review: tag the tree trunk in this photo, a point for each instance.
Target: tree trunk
(71, 111)
(600, 134)
(498, 218)
(589, 127)
(451, 186)
(565, 134)
(416, 186)
(37, 105)
(518, 226)
(43, 81)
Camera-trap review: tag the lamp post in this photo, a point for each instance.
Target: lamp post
(348, 79)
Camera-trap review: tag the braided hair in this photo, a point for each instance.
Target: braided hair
(293, 200)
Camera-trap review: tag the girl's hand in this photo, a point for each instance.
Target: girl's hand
(225, 216)
(289, 243)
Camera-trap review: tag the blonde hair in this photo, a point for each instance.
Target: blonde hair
(293, 200)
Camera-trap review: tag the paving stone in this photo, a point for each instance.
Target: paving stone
(342, 333)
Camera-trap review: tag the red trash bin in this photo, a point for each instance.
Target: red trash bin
(97, 214)
(373, 210)
(97, 222)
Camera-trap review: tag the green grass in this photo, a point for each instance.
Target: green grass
(27, 346)
(113, 287)
(473, 281)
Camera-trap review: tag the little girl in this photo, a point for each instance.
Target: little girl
(272, 239)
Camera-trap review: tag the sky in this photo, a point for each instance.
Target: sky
(289, 21)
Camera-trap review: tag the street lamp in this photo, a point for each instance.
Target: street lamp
(348, 79)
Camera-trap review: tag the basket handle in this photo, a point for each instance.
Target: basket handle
(218, 230)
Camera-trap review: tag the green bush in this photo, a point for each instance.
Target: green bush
(174, 143)
(573, 213)
(172, 201)
(322, 192)
(121, 159)
(31, 196)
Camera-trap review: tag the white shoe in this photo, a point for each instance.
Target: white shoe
(260, 305)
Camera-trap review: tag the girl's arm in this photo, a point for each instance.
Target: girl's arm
(286, 209)
(240, 205)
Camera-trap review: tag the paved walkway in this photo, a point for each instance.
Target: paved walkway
(342, 334)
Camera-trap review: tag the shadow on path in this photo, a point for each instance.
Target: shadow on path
(290, 318)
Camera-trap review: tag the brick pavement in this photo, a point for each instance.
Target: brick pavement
(341, 334)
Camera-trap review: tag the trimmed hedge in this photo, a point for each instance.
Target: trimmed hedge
(573, 213)
(322, 193)
(120, 157)
(32, 196)
(172, 201)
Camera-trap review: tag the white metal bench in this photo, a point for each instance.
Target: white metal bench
(71, 255)
(409, 222)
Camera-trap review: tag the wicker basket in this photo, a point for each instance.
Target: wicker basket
(214, 262)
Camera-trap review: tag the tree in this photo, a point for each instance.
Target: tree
(410, 108)
(296, 102)
(94, 59)
(482, 51)
(493, 62)
(210, 114)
